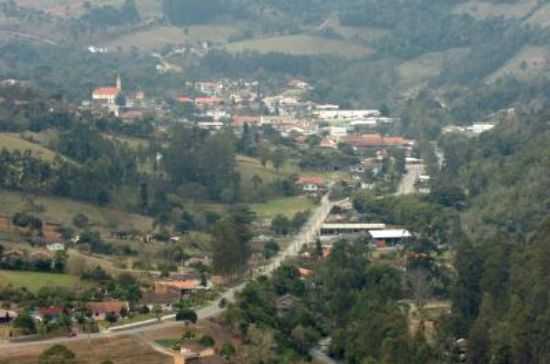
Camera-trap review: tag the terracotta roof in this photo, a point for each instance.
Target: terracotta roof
(305, 272)
(106, 307)
(311, 181)
(106, 91)
(50, 311)
(240, 120)
(374, 140)
(207, 100)
(185, 99)
(160, 298)
(180, 284)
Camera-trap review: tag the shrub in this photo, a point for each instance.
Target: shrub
(186, 315)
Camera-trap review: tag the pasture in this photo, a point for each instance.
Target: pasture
(301, 45)
(34, 281)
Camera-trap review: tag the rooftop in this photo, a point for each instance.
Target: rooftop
(390, 234)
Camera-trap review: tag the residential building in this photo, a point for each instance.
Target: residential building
(311, 184)
(100, 310)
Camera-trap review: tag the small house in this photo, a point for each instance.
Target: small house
(311, 184)
(100, 310)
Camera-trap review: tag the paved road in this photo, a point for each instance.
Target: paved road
(306, 236)
(406, 186)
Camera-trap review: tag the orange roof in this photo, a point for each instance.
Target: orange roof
(106, 307)
(240, 120)
(374, 140)
(305, 272)
(181, 284)
(185, 99)
(311, 181)
(106, 91)
(208, 100)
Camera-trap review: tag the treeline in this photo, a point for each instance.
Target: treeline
(504, 175)
(500, 301)
(203, 162)
(108, 15)
(188, 12)
(348, 298)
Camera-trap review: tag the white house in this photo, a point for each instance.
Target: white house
(56, 247)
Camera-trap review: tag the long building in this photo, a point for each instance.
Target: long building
(346, 228)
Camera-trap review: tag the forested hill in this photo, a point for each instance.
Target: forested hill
(505, 175)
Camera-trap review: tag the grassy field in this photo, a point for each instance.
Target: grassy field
(158, 37)
(12, 142)
(248, 167)
(416, 71)
(62, 211)
(541, 17)
(284, 206)
(33, 281)
(481, 9)
(120, 350)
(74, 8)
(301, 45)
(529, 63)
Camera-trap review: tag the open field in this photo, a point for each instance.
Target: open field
(301, 45)
(62, 211)
(529, 63)
(541, 17)
(481, 9)
(120, 350)
(158, 37)
(285, 206)
(74, 8)
(364, 34)
(421, 69)
(12, 143)
(248, 167)
(33, 281)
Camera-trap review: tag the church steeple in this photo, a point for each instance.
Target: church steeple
(118, 82)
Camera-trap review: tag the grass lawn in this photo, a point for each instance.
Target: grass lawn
(301, 44)
(119, 350)
(62, 211)
(530, 63)
(33, 281)
(421, 69)
(157, 37)
(285, 206)
(12, 142)
(485, 9)
(248, 167)
(167, 343)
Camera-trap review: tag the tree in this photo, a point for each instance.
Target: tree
(25, 323)
(207, 341)
(186, 314)
(271, 249)
(256, 181)
(281, 225)
(264, 153)
(111, 317)
(57, 354)
(278, 158)
(80, 221)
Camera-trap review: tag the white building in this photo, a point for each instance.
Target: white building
(56, 247)
(342, 115)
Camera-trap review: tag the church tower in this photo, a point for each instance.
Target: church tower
(118, 82)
